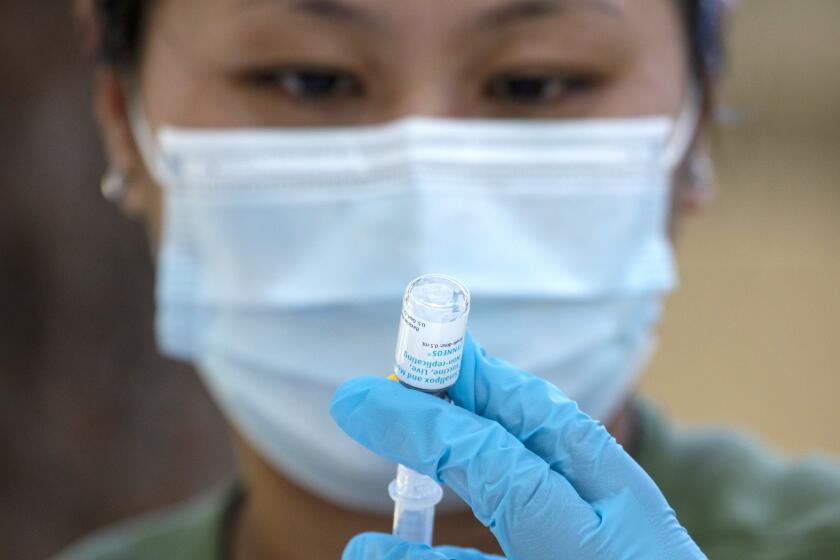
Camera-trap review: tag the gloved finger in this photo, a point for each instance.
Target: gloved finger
(509, 488)
(379, 546)
(547, 422)
(456, 553)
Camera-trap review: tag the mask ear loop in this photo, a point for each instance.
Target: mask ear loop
(682, 134)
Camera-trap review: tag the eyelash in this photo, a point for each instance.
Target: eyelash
(321, 84)
(309, 82)
(535, 88)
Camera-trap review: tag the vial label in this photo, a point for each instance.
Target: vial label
(429, 354)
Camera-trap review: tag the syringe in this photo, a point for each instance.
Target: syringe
(430, 344)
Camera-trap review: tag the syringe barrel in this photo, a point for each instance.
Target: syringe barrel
(415, 526)
(415, 496)
(430, 340)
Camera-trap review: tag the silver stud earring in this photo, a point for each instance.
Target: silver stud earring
(702, 170)
(701, 173)
(113, 184)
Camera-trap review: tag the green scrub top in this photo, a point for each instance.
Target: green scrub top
(737, 501)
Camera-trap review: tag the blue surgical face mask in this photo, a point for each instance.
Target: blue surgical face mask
(285, 253)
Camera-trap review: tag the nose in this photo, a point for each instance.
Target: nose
(431, 96)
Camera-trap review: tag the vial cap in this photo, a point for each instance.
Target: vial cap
(437, 298)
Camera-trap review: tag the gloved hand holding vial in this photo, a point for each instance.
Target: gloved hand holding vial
(430, 345)
(545, 478)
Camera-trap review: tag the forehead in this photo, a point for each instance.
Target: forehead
(445, 24)
(410, 14)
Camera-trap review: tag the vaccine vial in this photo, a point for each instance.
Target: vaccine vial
(430, 340)
(430, 343)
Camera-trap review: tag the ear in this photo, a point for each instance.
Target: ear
(694, 178)
(111, 105)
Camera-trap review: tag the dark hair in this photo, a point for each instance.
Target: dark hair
(122, 22)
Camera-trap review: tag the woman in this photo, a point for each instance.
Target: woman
(299, 161)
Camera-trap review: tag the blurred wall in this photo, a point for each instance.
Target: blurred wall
(752, 339)
(94, 425)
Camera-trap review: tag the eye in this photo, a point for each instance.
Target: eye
(310, 83)
(526, 88)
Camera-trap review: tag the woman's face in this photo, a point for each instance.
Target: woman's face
(299, 63)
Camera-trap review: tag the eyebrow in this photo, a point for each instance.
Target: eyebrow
(326, 9)
(523, 10)
(507, 14)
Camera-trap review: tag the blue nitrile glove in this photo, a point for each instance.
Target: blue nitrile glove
(547, 480)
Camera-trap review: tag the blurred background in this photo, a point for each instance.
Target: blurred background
(95, 426)
(752, 339)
